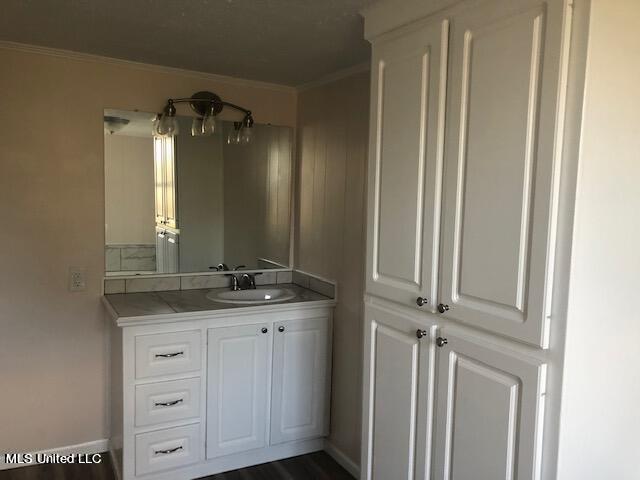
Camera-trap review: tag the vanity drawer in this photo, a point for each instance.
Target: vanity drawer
(167, 401)
(165, 449)
(167, 354)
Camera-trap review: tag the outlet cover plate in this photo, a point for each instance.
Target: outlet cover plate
(77, 279)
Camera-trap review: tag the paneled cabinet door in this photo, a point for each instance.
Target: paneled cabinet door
(488, 413)
(161, 250)
(398, 397)
(405, 164)
(238, 372)
(158, 177)
(171, 183)
(172, 253)
(300, 389)
(502, 166)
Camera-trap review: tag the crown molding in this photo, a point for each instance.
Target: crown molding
(335, 76)
(87, 57)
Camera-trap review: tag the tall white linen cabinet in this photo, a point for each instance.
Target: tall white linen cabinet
(502, 339)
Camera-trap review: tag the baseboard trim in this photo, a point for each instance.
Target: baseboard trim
(342, 459)
(88, 448)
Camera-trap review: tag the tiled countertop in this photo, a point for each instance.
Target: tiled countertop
(135, 308)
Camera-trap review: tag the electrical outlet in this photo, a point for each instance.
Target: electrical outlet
(77, 279)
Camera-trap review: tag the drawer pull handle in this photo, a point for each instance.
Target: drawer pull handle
(168, 452)
(169, 404)
(168, 355)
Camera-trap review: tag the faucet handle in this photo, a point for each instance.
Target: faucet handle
(240, 266)
(222, 267)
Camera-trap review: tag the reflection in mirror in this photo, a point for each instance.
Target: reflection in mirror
(192, 203)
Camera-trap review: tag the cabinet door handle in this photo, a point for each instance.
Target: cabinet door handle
(421, 301)
(168, 355)
(167, 452)
(264, 330)
(169, 404)
(441, 341)
(443, 308)
(281, 328)
(421, 333)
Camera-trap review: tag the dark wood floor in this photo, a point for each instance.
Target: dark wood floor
(314, 466)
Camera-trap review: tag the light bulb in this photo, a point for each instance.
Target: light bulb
(154, 125)
(196, 127)
(232, 138)
(235, 135)
(208, 125)
(245, 135)
(167, 126)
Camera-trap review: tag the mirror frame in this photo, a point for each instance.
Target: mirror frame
(293, 183)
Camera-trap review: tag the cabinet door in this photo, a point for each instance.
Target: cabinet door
(158, 178)
(488, 415)
(171, 183)
(172, 253)
(502, 166)
(405, 164)
(300, 390)
(398, 396)
(161, 247)
(238, 372)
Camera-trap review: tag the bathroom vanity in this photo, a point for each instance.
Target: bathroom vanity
(200, 386)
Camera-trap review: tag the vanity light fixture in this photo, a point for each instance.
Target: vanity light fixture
(242, 132)
(207, 106)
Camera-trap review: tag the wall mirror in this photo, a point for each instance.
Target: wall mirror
(189, 203)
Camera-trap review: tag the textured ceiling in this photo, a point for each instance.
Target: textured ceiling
(282, 41)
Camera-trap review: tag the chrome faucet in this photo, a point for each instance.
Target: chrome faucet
(240, 282)
(247, 281)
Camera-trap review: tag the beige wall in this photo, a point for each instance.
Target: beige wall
(601, 394)
(200, 168)
(332, 144)
(52, 342)
(257, 197)
(129, 206)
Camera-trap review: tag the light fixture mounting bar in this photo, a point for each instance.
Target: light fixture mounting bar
(204, 103)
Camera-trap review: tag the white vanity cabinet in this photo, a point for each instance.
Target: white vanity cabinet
(301, 380)
(199, 393)
(237, 388)
(442, 403)
(167, 251)
(466, 141)
(501, 166)
(398, 383)
(463, 164)
(405, 168)
(490, 402)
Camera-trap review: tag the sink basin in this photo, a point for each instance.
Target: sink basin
(249, 297)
